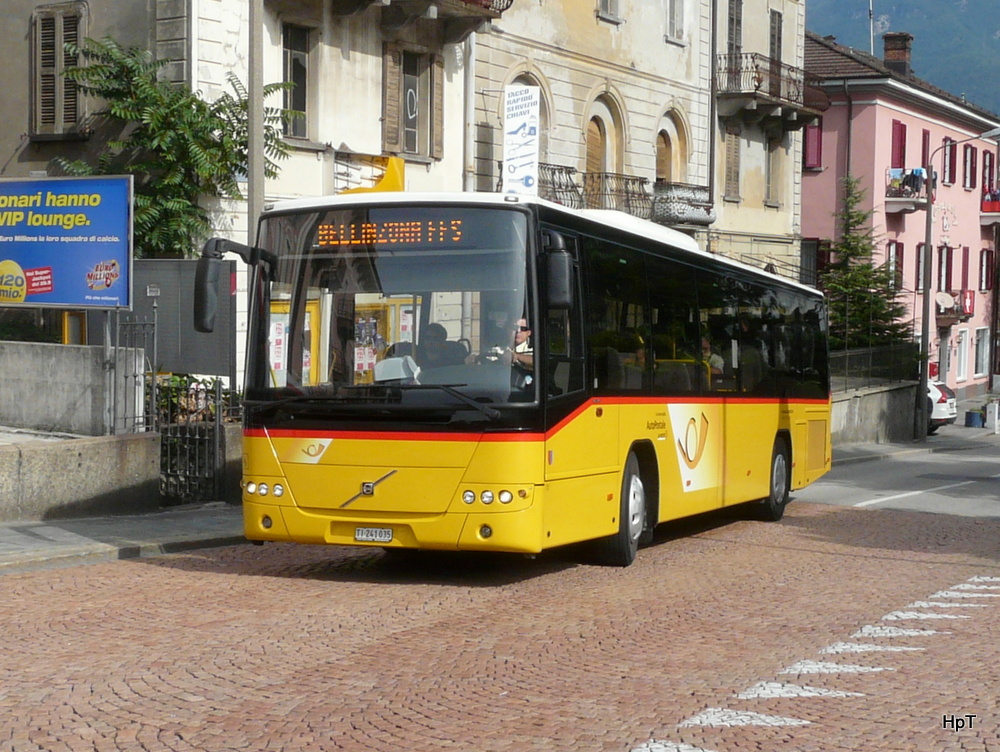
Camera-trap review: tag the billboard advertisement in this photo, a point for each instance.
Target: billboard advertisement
(521, 139)
(66, 242)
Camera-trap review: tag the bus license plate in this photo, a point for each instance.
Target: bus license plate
(373, 534)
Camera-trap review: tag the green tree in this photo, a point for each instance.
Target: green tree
(863, 297)
(178, 147)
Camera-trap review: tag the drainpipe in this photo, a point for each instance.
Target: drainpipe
(469, 173)
(713, 136)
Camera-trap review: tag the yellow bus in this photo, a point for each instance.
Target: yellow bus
(482, 372)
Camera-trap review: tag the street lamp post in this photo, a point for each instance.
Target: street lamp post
(925, 322)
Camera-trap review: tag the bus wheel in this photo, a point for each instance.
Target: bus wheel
(619, 550)
(773, 507)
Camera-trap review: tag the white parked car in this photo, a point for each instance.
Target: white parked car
(942, 408)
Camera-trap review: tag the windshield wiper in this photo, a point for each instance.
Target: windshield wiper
(490, 412)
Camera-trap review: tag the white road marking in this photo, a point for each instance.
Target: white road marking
(963, 594)
(983, 578)
(964, 586)
(897, 615)
(818, 667)
(655, 746)
(857, 647)
(768, 690)
(724, 717)
(870, 502)
(877, 630)
(938, 604)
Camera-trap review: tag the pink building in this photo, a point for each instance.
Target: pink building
(884, 125)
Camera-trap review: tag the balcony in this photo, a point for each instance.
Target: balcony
(592, 190)
(682, 204)
(905, 190)
(556, 183)
(989, 211)
(954, 307)
(753, 88)
(458, 18)
(612, 190)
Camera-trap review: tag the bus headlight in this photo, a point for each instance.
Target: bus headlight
(506, 497)
(468, 496)
(262, 489)
(251, 488)
(486, 497)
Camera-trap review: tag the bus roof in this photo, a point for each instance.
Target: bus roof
(609, 218)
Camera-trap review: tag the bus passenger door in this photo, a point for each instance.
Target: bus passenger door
(581, 445)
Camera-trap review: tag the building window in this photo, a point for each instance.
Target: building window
(675, 20)
(962, 355)
(982, 363)
(925, 148)
(812, 153)
(732, 164)
(773, 173)
(969, 159)
(944, 269)
(965, 268)
(295, 55)
(413, 103)
(607, 10)
(734, 36)
(56, 101)
(989, 172)
(948, 159)
(664, 158)
(898, 145)
(986, 269)
(894, 263)
(921, 257)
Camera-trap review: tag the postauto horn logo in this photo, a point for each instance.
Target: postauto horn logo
(697, 434)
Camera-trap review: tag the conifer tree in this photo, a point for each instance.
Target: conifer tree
(863, 297)
(178, 147)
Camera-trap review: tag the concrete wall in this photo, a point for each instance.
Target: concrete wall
(878, 415)
(80, 477)
(61, 388)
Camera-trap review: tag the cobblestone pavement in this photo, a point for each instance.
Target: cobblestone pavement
(838, 629)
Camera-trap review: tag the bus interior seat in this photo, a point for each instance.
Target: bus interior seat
(674, 377)
(454, 353)
(607, 368)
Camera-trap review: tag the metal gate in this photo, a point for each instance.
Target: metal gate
(186, 411)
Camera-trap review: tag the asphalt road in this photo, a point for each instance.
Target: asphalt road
(947, 478)
(837, 629)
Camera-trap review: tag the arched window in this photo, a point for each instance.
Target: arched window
(597, 145)
(664, 166)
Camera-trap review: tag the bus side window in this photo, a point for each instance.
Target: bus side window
(564, 335)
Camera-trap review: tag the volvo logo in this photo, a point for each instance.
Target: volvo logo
(368, 488)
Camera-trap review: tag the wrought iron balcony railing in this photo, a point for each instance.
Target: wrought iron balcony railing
(611, 190)
(599, 190)
(755, 75)
(556, 183)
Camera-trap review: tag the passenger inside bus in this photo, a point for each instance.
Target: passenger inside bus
(435, 351)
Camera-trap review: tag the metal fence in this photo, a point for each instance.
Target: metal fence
(864, 367)
(191, 413)
(186, 411)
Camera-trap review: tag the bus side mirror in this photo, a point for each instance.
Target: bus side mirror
(559, 268)
(558, 271)
(206, 293)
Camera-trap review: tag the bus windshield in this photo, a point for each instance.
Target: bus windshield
(420, 307)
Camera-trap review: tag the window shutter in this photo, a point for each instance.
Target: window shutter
(814, 146)
(437, 107)
(952, 156)
(898, 145)
(732, 163)
(391, 97)
(46, 92)
(70, 29)
(965, 268)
